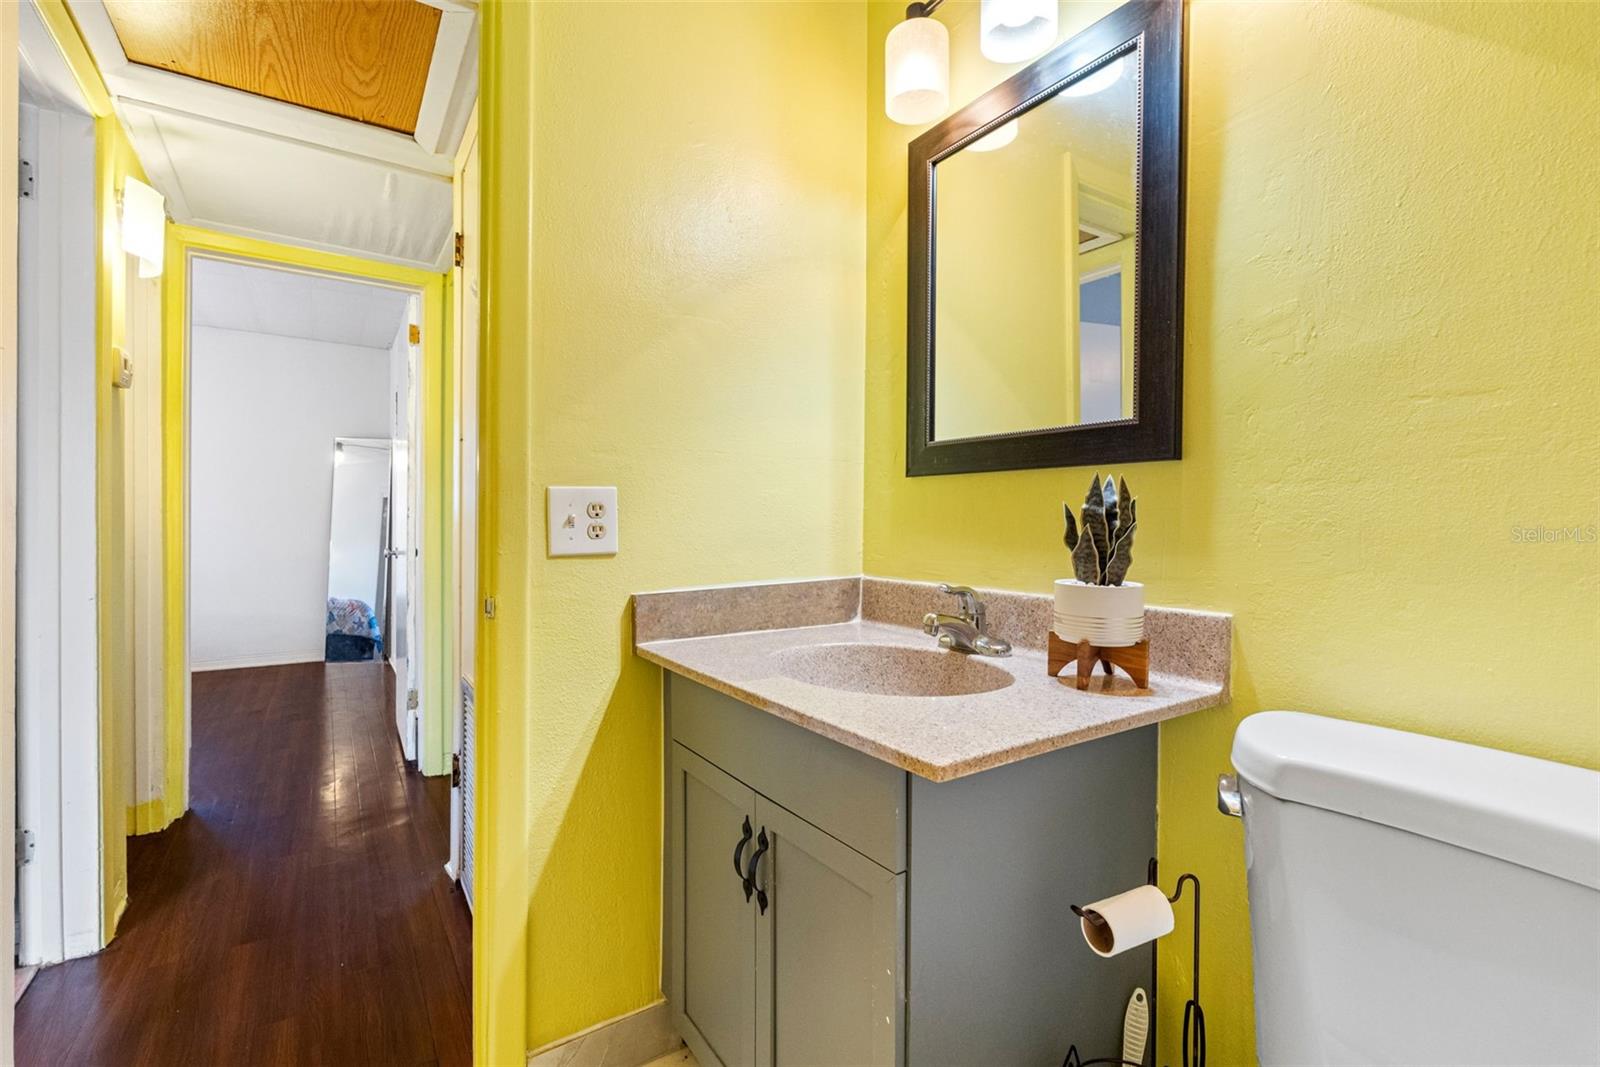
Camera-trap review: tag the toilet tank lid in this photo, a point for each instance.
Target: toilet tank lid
(1527, 811)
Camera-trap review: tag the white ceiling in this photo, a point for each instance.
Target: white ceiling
(238, 180)
(236, 296)
(232, 161)
(46, 79)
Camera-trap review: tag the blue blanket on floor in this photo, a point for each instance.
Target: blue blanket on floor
(354, 618)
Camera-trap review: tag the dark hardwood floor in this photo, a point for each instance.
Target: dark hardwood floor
(299, 913)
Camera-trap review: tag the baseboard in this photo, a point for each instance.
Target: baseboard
(119, 907)
(630, 1040)
(21, 978)
(269, 659)
(148, 817)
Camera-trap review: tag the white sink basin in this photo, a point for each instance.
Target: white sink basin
(891, 670)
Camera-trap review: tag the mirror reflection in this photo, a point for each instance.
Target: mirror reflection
(358, 544)
(1034, 242)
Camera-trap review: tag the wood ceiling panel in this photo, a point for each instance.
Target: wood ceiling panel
(362, 59)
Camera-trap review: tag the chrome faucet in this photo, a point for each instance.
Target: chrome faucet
(964, 632)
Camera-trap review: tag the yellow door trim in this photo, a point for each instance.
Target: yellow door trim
(501, 853)
(183, 242)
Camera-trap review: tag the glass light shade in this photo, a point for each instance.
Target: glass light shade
(144, 226)
(1102, 79)
(1010, 31)
(997, 138)
(916, 71)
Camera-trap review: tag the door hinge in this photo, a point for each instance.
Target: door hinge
(461, 241)
(488, 607)
(416, 334)
(24, 847)
(25, 190)
(411, 700)
(455, 770)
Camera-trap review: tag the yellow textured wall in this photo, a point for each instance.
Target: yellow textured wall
(1392, 360)
(686, 323)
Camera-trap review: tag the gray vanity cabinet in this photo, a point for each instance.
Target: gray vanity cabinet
(861, 957)
(807, 969)
(713, 931)
(828, 949)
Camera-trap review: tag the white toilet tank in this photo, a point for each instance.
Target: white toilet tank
(1418, 901)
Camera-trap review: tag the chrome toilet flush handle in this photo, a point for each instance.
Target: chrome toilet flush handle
(1229, 800)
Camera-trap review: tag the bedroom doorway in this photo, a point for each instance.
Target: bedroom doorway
(305, 507)
(288, 371)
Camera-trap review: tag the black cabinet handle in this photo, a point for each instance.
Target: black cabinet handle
(738, 849)
(762, 844)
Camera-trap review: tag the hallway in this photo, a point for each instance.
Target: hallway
(299, 913)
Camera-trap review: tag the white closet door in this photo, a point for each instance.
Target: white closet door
(406, 520)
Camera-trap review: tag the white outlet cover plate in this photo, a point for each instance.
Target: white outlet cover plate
(568, 508)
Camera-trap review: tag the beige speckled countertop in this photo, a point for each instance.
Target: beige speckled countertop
(757, 642)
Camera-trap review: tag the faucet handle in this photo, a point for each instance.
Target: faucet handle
(971, 606)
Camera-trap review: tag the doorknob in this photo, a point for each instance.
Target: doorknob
(393, 553)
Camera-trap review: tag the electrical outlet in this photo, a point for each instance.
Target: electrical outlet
(583, 520)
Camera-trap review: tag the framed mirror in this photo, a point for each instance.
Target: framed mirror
(1044, 310)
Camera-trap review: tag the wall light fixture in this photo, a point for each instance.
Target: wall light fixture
(144, 226)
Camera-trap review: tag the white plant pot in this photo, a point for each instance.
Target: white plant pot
(1109, 616)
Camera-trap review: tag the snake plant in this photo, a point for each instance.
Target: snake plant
(1102, 543)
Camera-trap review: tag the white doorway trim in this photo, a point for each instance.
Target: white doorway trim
(59, 909)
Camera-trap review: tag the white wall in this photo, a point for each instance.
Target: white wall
(264, 412)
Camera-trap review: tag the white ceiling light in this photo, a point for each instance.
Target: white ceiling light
(916, 67)
(1011, 31)
(998, 138)
(1102, 79)
(144, 226)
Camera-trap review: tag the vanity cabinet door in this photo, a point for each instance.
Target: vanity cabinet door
(830, 947)
(712, 925)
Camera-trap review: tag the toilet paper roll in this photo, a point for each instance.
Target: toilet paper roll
(1126, 920)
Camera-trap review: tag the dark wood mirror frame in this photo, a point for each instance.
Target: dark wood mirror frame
(1153, 28)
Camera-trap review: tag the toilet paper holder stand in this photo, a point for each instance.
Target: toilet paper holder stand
(1194, 1020)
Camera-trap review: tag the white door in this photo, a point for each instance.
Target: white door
(405, 518)
(57, 644)
(467, 615)
(8, 467)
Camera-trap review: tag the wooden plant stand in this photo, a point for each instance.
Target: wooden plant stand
(1134, 660)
